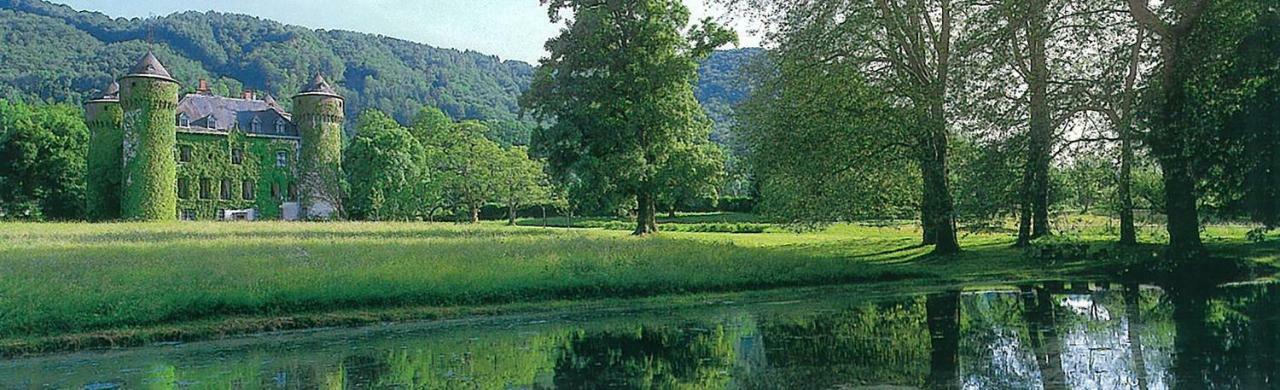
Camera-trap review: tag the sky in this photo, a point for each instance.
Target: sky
(510, 29)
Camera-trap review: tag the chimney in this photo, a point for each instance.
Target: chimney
(248, 95)
(203, 89)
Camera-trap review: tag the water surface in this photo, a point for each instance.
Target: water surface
(1041, 336)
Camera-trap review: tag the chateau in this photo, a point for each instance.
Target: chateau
(153, 156)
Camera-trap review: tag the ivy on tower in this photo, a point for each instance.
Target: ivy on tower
(102, 179)
(317, 112)
(149, 101)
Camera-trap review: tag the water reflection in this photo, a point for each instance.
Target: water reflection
(1039, 336)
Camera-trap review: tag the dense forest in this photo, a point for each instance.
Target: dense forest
(53, 53)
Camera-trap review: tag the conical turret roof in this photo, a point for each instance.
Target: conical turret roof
(319, 86)
(111, 94)
(149, 66)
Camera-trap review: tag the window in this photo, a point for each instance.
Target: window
(183, 120)
(184, 188)
(237, 156)
(282, 159)
(275, 191)
(206, 188)
(226, 189)
(188, 215)
(212, 122)
(247, 190)
(279, 126)
(256, 125)
(184, 153)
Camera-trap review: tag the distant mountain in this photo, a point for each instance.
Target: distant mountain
(55, 53)
(723, 82)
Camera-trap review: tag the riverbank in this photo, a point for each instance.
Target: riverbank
(75, 286)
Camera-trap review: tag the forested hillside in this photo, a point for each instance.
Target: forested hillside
(54, 53)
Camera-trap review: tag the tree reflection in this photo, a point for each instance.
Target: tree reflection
(943, 310)
(1042, 329)
(646, 357)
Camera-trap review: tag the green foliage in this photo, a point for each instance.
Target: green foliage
(694, 172)
(619, 89)
(985, 178)
(211, 160)
(42, 161)
(322, 185)
(825, 151)
(466, 165)
(520, 180)
(150, 188)
(383, 165)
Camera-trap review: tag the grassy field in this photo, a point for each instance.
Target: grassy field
(69, 285)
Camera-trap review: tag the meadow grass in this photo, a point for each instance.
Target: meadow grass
(66, 278)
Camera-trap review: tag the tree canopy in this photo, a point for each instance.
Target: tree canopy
(617, 94)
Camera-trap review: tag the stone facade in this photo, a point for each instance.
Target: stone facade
(207, 157)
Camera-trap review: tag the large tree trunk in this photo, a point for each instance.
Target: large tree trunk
(646, 218)
(928, 230)
(1035, 186)
(511, 214)
(1128, 233)
(1179, 178)
(938, 210)
(1180, 206)
(475, 214)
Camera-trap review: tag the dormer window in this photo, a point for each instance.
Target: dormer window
(279, 126)
(256, 125)
(212, 122)
(183, 120)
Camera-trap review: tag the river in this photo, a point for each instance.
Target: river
(1056, 335)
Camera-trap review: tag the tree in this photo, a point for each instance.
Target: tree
(1193, 96)
(42, 161)
(902, 46)
(520, 181)
(824, 151)
(466, 166)
(383, 166)
(618, 83)
(695, 172)
(428, 122)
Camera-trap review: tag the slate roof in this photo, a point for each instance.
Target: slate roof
(149, 66)
(111, 94)
(228, 113)
(319, 86)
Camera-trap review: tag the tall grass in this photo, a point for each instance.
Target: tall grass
(74, 278)
(63, 278)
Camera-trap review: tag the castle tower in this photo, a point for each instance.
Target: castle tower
(102, 181)
(149, 101)
(317, 112)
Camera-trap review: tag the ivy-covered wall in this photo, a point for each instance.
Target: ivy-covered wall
(102, 177)
(211, 161)
(150, 172)
(319, 120)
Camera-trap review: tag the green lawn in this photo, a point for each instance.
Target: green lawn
(110, 281)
